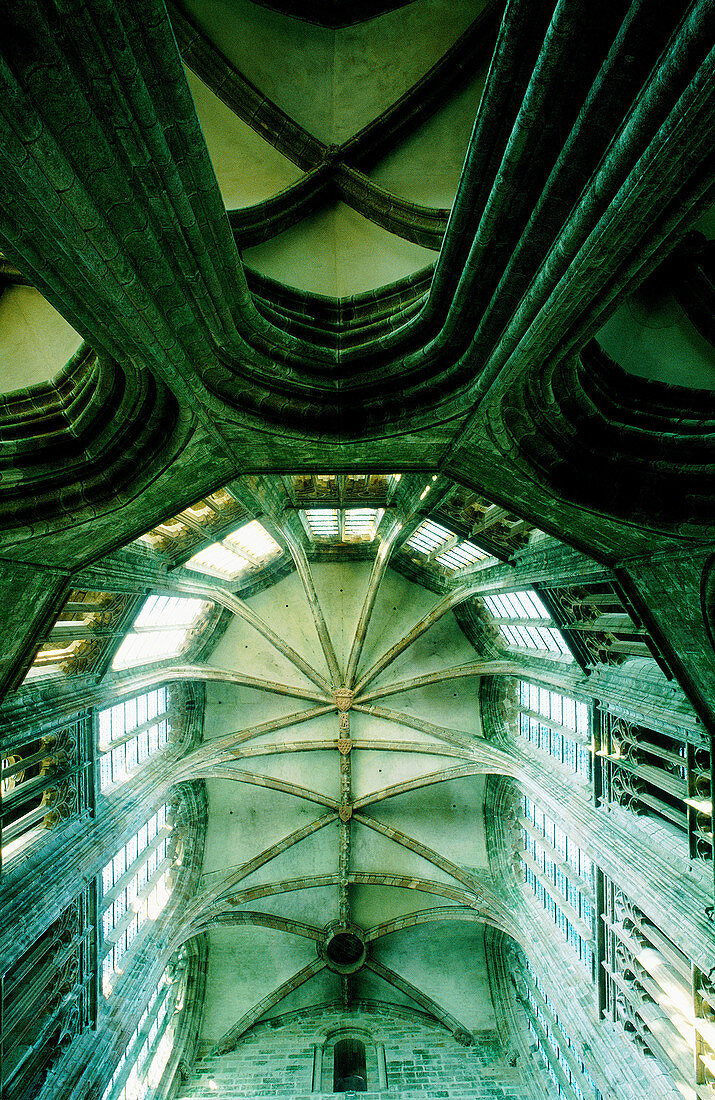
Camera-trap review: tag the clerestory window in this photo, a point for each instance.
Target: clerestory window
(558, 725)
(142, 1065)
(129, 732)
(555, 1048)
(134, 890)
(561, 877)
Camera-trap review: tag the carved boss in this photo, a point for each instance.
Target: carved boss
(343, 698)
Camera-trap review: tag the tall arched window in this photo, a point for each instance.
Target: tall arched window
(349, 1066)
(554, 1047)
(129, 732)
(349, 1059)
(136, 728)
(556, 724)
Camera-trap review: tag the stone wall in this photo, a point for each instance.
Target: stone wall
(421, 1060)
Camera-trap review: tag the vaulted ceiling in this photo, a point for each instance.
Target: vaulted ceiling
(353, 804)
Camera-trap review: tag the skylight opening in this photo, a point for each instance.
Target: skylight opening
(323, 522)
(343, 524)
(464, 553)
(428, 536)
(160, 630)
(362, 523)
(169, 611)
(527, 628)
(139, 649)
(254, 541)
(248, 546)
(218, 561)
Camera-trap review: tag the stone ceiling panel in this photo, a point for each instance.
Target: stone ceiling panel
(339, 80)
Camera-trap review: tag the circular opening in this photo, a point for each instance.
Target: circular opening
(344, 949)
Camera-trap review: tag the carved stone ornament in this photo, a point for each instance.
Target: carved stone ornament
(345, 813)
(344, 745)
(343, 720)
(343, 698)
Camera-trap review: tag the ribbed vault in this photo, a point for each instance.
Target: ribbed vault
(345, 857)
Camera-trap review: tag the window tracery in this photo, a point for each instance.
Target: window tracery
(340, 489)
(599, 624)
(47, 1000)
(666, 775)
(497, 528)
(45, 781)
(663, 1002)
(179, 535)
(85, 629)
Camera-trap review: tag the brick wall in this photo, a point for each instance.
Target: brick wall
(422, 1060)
